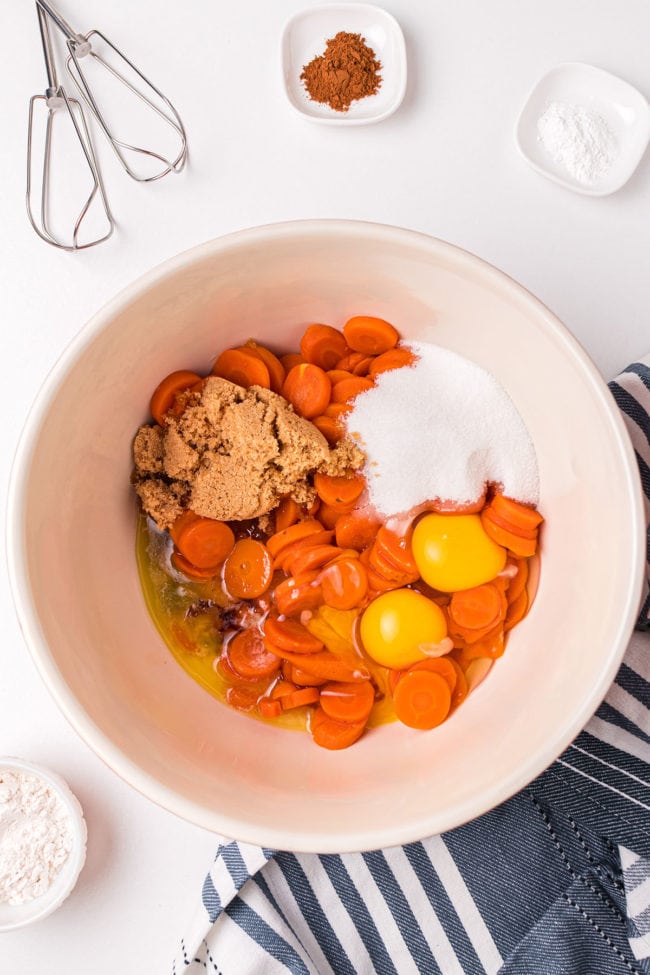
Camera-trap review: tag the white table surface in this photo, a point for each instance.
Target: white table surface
(444, 164)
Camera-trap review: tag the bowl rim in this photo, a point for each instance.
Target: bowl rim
(114, 757)
(67, 877)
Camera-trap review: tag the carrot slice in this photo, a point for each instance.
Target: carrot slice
(164, 395)
(192, 571)
(498, 519)
(243, 368)
(308, 390)
(396, 549)
(328, 516)
(460, 691)
(520, 516)
(338, 492)
(422, 699)
(297, 594)
(290, 360)
(299, 698)
(323, 664)
(337, 410)
(242, 698)
(516, 610)
(393, 359)
(303, 678)
(277, 371)
(348, 702)
(322, 345)
(344, 584)
(281, 539)
(249, 657)
(362, 367)
(309, 541)
(287, 513)
(269, 709)
(356, 531)
(448, 507)
(336, 375)
(330, 427)
(290, 635)
(522, 547)
(330, 733)
(248, 569)
(205, 542)
(181, 523)
(518, 582)
(439, 665)
(349, 361)
(372, 336)
(281, 689)
(480, 606)
(347, 389)
(311, 558)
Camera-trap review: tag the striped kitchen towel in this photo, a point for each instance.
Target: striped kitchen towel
(555, 881)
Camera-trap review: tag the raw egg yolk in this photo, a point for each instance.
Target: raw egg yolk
(454, 552)
(397, 624)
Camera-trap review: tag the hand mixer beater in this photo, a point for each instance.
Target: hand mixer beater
(118, 95)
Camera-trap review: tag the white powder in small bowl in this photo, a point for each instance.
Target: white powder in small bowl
(579, 141)
(441, 429)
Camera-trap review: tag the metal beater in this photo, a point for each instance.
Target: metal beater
(82, 57)
(69, 112)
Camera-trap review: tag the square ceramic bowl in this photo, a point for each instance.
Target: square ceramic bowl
(623, 108)
(304, 38)
(81, 605)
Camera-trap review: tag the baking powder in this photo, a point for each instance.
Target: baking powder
(35, 836)
(441, 429)
(578, 140)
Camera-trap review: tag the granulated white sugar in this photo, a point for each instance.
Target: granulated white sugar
(441, 429)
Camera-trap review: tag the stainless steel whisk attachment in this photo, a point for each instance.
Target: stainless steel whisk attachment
(120, 97)
(63, 111)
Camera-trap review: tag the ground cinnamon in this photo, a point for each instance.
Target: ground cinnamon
(347, 71)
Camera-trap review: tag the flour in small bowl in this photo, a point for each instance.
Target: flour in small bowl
(579, 141)
(441, 429)
(35, 836)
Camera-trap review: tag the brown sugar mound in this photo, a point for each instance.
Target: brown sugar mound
(347, 71)
(232, 455)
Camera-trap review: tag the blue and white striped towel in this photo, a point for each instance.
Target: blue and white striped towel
(556, 881)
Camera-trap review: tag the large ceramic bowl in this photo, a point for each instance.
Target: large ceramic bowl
(72, 521)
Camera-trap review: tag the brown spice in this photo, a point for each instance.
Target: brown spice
(347, 71)
(232, 455)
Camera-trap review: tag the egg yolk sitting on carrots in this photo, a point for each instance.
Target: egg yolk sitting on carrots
(455, 552)
(399, 626)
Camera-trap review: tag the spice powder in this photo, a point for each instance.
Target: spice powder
(347, 71)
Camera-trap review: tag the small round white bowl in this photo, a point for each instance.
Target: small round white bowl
(71, 542)
(622, 107)
(304, 38)
(18, 915)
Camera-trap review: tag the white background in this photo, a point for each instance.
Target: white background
(444, 164)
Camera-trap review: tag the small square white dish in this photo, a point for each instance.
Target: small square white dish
(623, 108)
(304, 38)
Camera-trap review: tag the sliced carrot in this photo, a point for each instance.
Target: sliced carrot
(323, 664)
(308, 390)
(330, 733)
(192, 571)
(338, 492)
(447, 507)
(501, 522)
(281, 689)
(393, 359)
(518, 582)
(311, 558)
(322, 345)
(290, 635)
(439, 665)
(242, 698)
(312, 510)
(249, 657)
(303, 678)
(349, 702)
(381, 563)
(328, 516)
(164, 395)
(205, 542)
(372, 336)
(336, 375)
(299, 698)
(459, 692)
(362, 368)
(491, 646)
(290, 360)
(330, 427)
(243, 368)
(248, 569)
(356, 530)
(281, 539)
(519, 515)
(422, 699)
(295, 595)
(181, 523)
(349, 361)
(344, 584)
(480, 606)
(269, 709)
(347, 389)
(396, 549)
(337, 410)
(516, 610)
(522, 547)
(376, 581)
(286, 514)
(309, 541)
(277, 371)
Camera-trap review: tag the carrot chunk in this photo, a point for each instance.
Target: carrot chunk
(308, 390)
(249, 657)
(338, 492)
(164, 395)
(243, 368)
(290, 635)
(322, 345)
(372, 336)
(348, 702)
(248, 569)
(422, 699)
(330, 733)
(205, 542)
